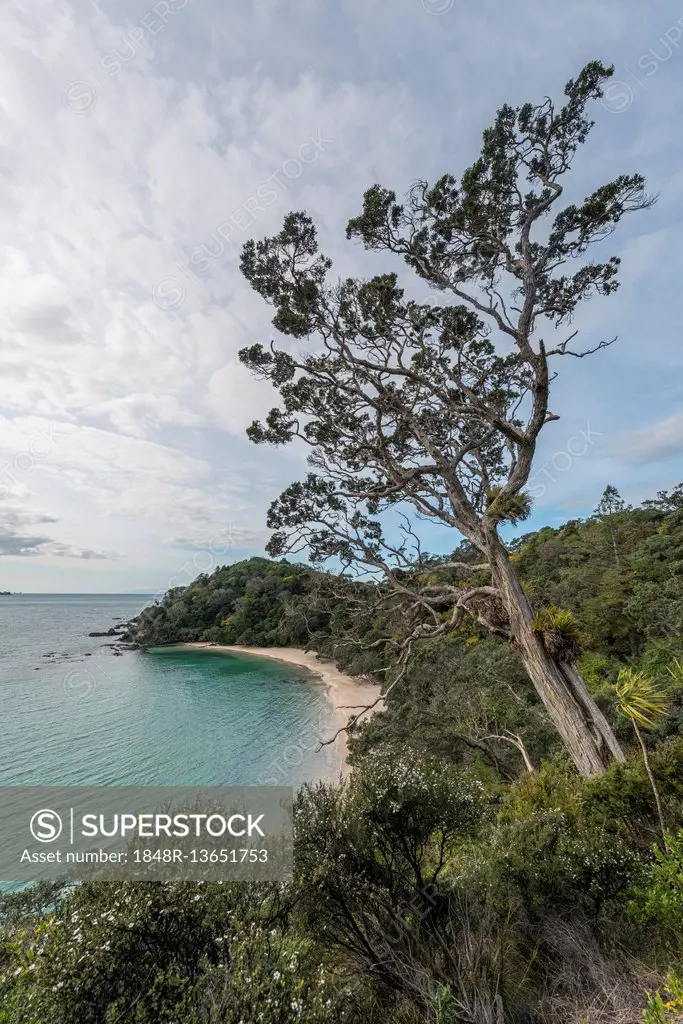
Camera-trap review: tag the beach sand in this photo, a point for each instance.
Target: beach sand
(343, 692)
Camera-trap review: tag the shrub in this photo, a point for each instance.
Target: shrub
(666, 1006)
(621, 800)
(131, 952)
(270, 979)
(554, 863)
(555, 786)
(565, 842)
(370, 859)
(393, 825)
(658, 897)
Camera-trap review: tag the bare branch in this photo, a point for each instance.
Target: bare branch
(517, 742)
(562, 349)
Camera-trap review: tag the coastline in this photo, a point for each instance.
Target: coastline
(343, 691)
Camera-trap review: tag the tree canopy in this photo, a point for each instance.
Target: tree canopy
(438, 407)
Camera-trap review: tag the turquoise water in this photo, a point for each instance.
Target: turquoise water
(74, 713)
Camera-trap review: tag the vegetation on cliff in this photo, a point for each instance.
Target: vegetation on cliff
(612, 584)
(466, 873)
(244, 603)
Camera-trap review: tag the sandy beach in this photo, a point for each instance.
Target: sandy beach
(344, 692)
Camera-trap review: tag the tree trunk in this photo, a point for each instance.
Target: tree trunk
(584, 729)
(614, 546)
(648, 769)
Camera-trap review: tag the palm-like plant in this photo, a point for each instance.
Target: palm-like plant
(675, 670)
(642, 701)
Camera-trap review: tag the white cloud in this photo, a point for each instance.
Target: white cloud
(660, 440)
(138, 415)
(235, 398)
(114, 176)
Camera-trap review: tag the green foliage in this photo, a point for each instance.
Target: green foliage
(560, 632)
(145, 944)
(271, 978)
(509, 508)
(556, 848)
(552, 787)
(257, 602)
(554, 862)
(391, 829)
(455, 693)
(640, 699)
(666, 1006)
(598, 670)
(557, 618)
(147, 953)
(658, 897)
(619, 802)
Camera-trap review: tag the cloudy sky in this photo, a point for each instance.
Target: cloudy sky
(142, 144)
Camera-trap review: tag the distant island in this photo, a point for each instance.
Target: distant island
(6, 593)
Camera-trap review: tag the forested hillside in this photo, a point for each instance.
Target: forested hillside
(245, 603)
(613, 583)
(620, 572)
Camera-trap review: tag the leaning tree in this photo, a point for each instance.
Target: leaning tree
(438, 406)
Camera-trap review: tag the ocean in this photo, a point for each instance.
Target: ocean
(75, 713)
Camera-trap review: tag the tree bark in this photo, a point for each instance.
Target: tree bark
(584, 729)
(518, 742)
(614, 546)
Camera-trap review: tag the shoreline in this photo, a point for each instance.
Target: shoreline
(343, 691)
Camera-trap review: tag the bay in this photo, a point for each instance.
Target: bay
(74, 713)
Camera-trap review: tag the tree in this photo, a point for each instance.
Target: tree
(611, 504)
(641, 702)
(437, 408)
(667, 502)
